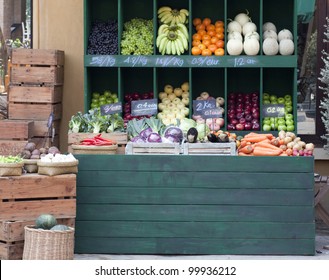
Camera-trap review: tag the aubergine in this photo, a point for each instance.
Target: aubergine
(223, 138)
(212, 138)
(192, 135)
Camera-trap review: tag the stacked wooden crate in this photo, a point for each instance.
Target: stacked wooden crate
(24, 198)
(35, 92)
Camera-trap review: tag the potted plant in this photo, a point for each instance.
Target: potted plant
(324, 78)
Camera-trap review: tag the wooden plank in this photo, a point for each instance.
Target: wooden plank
(189, 196)
(45, 141)
(51, 75)
(37, 56)
(185, 178)
(120, 137)
(34, 111)
(181, 246)
(19, 210)
(37, 186)
(16, 129)
(131, 229)
(153, 148)
(10, 147)
(213, 149)
(193, 213)
(11, 251)
(41, 128)
(35, 94)
(11, 231)
(175, 163)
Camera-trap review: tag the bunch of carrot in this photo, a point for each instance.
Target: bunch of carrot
(257, 144)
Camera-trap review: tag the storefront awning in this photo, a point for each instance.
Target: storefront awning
(305, 10)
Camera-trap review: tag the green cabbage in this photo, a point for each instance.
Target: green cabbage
(203, 130)
(186, 124)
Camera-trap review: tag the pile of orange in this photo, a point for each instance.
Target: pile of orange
(208, 38)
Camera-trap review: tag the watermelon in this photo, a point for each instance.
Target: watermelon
(60, 227)
(45, 221)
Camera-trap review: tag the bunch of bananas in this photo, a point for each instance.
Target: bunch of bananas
(172, 39)
(172, 16)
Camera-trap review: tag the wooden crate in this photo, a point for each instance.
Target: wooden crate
(35, 93)
(153, 148)
(34, 111)
(12, 236)
(37, 66)
(211, 149)
(45, 141)
(11, 147)
(27, 196)
(16, 129)
(120, 137)
(41, 128)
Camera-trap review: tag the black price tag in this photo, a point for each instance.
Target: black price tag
(144, 107)
(199, 106)
(113, 108)
(273, 110)
(211, 113)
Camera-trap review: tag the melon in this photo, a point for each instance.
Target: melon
(60, 227)
(45, 221)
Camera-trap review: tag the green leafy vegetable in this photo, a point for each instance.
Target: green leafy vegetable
(10, 159)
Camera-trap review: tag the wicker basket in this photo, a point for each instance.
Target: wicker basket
(83, 149)
(57, 168)
(30, 165)
(43, 244)
(11, 169)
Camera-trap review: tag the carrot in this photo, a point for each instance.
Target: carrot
(244, 154)
(253, 134)
(268, 146)
(283, 154)
(246, 149)
(255, 138)
(275, 142)
(261, 151)
(265, 141)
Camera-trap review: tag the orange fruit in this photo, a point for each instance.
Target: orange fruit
(214, 40)
(195, 43)
(202, 32)
(196, 51)
(206, 21)
(212, 48)
(196, 36)
(196, 21)
(206, 37)
(220, 44)
(211, 33)
(219, 29)
(200, 26)
(210, 27)
(219, 52)
(206, 52)
(201, 46)
(206, 42)
(220, 36)
(219, 23)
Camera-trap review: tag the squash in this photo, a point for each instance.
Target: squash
(269, 26)
(234, 26)
(242, 18)
(60, 227)
(45, 221)
(234, 47)
(286, 47)
(251, 46)
(249, 27)
(270, 46)
(270, 34)
(252, 34)
(234, 35)
(285, 34)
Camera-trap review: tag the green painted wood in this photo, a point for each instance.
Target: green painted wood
(188, 196)
(175, 163)
(232, 213)
(252, 230)
(188, 179)
(195, 246)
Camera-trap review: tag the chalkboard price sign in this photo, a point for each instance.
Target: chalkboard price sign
(144, 107)
(200, 105)
(169, 61)
(113, 108)
(211, 113)
(137, 60)
(103, 61)
(273, 110)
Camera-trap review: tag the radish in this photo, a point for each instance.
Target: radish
(242, 18)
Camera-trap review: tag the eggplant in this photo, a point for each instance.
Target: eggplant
(212, 138)
(192, 135)
(223, 138)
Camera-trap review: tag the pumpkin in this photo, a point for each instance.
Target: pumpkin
(270, 46)
(286, 47)
(251, 46)
(60, 227)
(234, 47)
(45, 221)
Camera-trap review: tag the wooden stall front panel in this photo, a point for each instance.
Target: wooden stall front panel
(162, 204)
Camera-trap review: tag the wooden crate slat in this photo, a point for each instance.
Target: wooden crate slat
(45, 141)
(16, 129)
(214, 149)
(52, 75)
(17, 210)
(193, 213)
(37, 56)
(35, 94)
(11, 231)
(34, 111)
(41, 127)
(37, 186)
(186, 179)
(11, 251)
(10, 147)
(153, 148)
(119, 137)
(194, 246)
